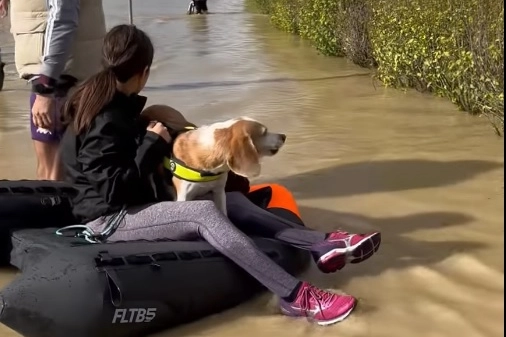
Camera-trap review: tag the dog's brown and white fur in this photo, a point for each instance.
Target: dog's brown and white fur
(236, 144)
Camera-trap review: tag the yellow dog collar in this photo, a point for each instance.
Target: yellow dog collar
(183, 172)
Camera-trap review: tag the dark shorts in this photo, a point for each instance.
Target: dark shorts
(200, 6)
(54, 134)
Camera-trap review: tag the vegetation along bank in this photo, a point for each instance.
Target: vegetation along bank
(453, 48)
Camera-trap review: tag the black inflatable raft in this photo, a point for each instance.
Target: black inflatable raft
(69, 287)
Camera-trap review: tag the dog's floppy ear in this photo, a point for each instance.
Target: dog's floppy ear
(243, 158)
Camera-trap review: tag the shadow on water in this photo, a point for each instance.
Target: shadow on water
(384, 176)
(408, 253)
(200, 85)
(398, 251)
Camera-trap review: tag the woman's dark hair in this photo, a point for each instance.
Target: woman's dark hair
(127, 51)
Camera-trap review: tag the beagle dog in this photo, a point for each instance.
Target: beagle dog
(202, 157)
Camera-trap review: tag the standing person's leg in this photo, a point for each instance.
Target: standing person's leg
(2, 73)
(194, 219)
(198, 6)
(204, 6)
(331, 251)
(46, 142)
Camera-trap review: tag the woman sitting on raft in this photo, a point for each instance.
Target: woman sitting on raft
(108, 158)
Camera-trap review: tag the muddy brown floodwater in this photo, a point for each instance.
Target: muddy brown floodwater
(357, 156)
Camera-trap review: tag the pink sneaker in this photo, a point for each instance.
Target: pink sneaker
(341, 248)
(320, 306)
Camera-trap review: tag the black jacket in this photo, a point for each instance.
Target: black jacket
(110, 164)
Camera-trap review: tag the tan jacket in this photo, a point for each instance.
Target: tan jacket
(29, 22)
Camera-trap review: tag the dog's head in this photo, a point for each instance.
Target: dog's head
(244, 142)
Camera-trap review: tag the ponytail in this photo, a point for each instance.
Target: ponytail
(127, 51)
(88, 99)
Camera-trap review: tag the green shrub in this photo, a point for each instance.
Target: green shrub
(319, 23)
(258, 6)
(454, 48)
(284, 15)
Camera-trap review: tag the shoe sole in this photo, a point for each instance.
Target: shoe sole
(337, 319)
(322, 322)
(336, 259)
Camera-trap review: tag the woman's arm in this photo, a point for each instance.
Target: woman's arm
(113, 163)
(62, 22)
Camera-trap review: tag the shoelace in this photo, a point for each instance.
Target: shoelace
(322, 298)
(340, 233)
(346, 238)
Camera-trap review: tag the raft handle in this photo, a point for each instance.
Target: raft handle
(103, 259)
(139, 259)
(187, 256)
(114, 287)
(165, 257)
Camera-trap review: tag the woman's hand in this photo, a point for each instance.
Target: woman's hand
(42, 110)
(160, 130)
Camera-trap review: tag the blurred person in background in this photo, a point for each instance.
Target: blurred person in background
(200, 6)
(4, 8)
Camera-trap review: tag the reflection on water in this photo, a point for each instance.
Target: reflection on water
(358, 156)
(200, 35)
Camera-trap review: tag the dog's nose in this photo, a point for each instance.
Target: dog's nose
(283, 137)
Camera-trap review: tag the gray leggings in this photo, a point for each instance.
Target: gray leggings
(192, 220)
